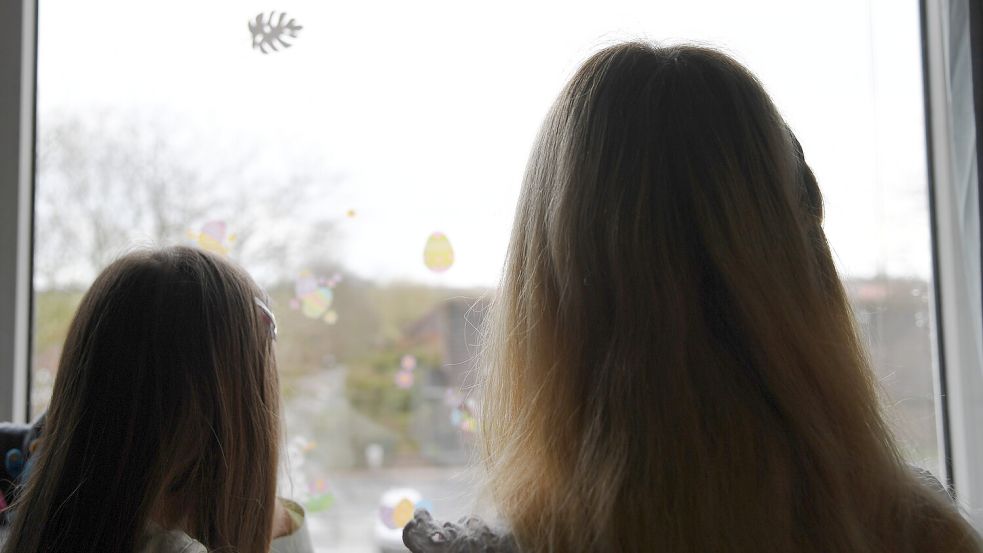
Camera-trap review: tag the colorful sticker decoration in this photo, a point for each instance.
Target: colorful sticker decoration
(399, 515)
(404, 376)
(316, 303)
(402, 513)
(451, 398)
(404, 379)
(314, 296)
(297, 449)
(213, 238)
(320, 503)
(462, 416)
(321, 497)
(438, 255)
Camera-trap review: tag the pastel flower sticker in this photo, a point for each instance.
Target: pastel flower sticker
(314, 296)
(213, 237)
(463, 418)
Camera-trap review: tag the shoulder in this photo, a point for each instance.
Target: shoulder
(158, 540)
(933, 484)
(935, 522)
(299, 540)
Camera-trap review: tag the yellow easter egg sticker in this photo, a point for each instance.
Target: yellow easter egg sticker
(438, 255)
(403, 513)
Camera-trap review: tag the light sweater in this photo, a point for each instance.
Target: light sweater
(158, 540)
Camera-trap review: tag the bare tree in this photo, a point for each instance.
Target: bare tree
(109, 180)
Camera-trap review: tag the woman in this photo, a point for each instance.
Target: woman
(673, 364)
(164, 427)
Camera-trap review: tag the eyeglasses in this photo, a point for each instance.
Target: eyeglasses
(268, 315)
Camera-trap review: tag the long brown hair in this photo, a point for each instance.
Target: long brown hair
(673, 365)
(165, 407)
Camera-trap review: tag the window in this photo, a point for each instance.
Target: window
(364, 165)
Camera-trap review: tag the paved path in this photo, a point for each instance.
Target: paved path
(347, 527)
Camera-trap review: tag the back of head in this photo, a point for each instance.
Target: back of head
(673, 362)
(165, 407)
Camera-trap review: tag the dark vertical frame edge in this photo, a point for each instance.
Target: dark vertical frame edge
(33, 225)
(976, 65)
(933, 223)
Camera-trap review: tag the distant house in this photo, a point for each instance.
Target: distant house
(451, 331)
(895, 316)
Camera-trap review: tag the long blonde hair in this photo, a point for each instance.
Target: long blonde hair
(165, 408)
(672, 362)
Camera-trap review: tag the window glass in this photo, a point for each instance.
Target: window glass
(363, 160)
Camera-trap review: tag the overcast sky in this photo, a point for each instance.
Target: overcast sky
(429, 109)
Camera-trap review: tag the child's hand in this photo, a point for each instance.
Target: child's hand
(283, 521)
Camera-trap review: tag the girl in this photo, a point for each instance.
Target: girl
(163, 429)
(673, 365)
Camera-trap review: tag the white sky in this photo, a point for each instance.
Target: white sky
(429, 108)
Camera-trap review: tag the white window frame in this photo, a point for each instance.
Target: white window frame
(18, 62)
(955, 201)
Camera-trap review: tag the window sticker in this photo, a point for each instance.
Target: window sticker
(315, 296)
(438, 255)
(213, 237)
(269, 36)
